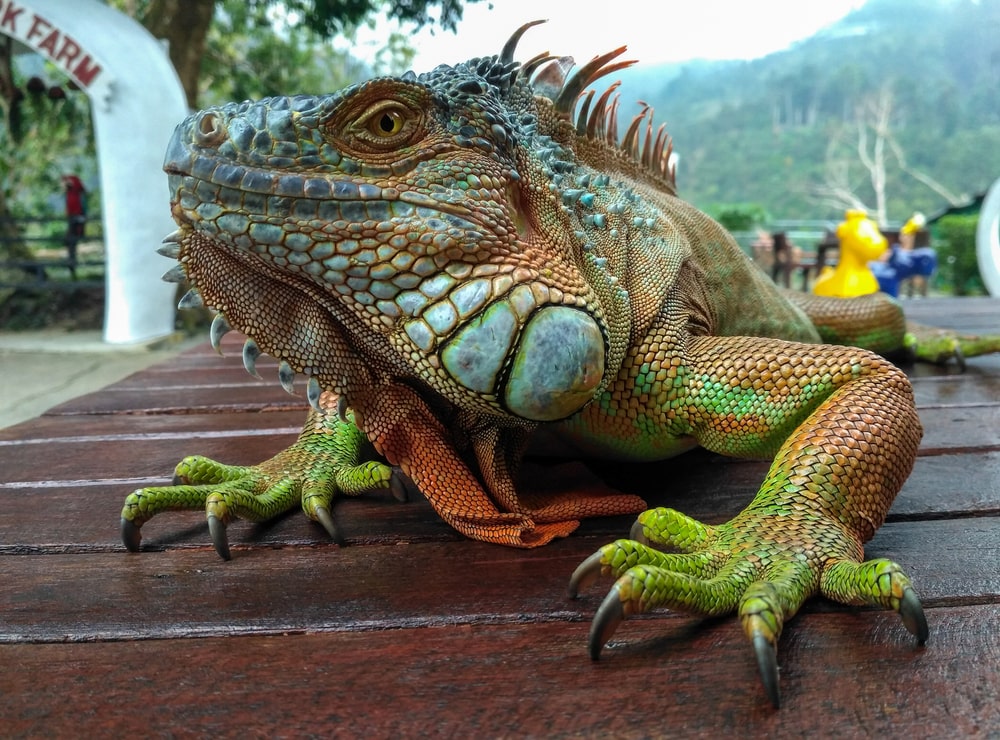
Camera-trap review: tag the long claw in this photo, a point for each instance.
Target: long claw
(131, 535)
(250, 354)
(191, 299)
(286, 376)
(913, 616)
(313, 392)
(609, 615)
(638, 533)
(217, 529)
(586, 574)
(324, 517)
(397, 485)
(959, 358)
(767, 664)
(218, 329)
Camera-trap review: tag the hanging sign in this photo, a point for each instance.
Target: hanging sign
(44, 36)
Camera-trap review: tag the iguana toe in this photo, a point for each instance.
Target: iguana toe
(880, 583)
(941, 346)
(670, 528)
(763, 609)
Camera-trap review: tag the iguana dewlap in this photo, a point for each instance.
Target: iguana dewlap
(459, 258)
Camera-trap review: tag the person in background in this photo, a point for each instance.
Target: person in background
(905, 267)
(922, 261)
(76, 216)
(787, 259)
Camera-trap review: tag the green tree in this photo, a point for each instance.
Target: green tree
(41, 114)
(187, 26)
(242, 60)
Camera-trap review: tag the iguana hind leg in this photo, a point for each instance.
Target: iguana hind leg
(877, 322)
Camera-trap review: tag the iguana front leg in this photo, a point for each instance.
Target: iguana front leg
(326, 461)
(329, 460)
(842, 428)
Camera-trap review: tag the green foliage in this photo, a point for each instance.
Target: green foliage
(245, 60)
(956, 250)
(44, 139)
(738, 216)
(47, 132)
(327, 18)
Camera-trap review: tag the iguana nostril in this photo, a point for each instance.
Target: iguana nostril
(210, 129)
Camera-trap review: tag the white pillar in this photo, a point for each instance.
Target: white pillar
(136, 101)
(988, 240)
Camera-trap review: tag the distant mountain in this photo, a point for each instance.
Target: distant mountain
(769, 131)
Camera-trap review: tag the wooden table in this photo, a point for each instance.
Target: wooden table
(411, 630)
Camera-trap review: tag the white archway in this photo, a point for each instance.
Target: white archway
(136, 101)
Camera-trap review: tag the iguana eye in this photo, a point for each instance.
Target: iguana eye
(386, 124)
(389, 123)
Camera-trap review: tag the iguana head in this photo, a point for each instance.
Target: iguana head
(455, 229)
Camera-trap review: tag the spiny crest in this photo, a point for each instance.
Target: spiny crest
(551, 77)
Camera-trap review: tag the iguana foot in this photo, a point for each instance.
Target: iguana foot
(745, 565)
(321, 465)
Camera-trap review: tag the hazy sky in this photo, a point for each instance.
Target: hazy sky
(653, 30)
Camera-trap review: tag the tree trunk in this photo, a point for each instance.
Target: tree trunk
(12, 246)
(183, 24)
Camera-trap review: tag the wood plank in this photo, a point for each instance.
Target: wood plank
(978, 385)
(70, 500)
(117, 429)
(959, 429)
(412, 628)
(101, 596)
(842, 676)
(185, 399)
(969, 314)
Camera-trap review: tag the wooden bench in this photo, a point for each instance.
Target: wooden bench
(411, 630)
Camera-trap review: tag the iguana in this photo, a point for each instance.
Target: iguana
(461, 260)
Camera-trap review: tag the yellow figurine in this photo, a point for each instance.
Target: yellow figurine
(860, 243)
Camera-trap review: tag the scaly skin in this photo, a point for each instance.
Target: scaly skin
(462, 258)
